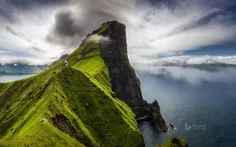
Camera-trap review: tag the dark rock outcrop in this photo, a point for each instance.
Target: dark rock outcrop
(114, 53)
(124, 81)
(151, 112)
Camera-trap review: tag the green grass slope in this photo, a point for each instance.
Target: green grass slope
(67, 106)
(175, 142)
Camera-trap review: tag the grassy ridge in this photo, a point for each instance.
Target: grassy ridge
(67, 106)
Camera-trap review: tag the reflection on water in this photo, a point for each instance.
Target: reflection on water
(11, 78)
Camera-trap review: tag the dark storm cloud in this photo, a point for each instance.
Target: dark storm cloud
(66, 24)
(66, 28)
(22, 4)
(6, 11)
(10, 8)
(71, 26)
(183, 3)
(157, 26)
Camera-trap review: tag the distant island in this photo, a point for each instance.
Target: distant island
(20, 69)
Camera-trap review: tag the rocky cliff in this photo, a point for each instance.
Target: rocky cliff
(123, 79)
(69, 106)
(83, 104)
(124, 82)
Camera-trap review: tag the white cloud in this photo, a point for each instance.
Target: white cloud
(150, 30)
(27, 36)
(187, 60)
(193, 69)
(97, 38)
(24, 59)
(195, 76)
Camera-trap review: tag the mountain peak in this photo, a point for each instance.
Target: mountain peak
(84, 104)
(113, 23)
(113, 52)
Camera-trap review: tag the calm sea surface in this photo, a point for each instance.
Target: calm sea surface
(203, 113)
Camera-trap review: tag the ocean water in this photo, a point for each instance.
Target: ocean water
(11, 78)
(203, 112)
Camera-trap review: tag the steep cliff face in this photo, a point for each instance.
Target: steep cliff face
(122, 75)
(123, 79)
(79, 105)
(69, 106)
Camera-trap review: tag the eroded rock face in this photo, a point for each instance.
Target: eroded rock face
(114, 53)
(151, 112)
(124, 81)
(62, 123)
(154, 108)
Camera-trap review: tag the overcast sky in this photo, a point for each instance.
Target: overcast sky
(39, 31)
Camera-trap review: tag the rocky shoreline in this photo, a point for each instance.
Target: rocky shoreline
(151, 112)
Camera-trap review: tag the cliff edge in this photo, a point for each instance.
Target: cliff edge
(69, 105)
(92, 101)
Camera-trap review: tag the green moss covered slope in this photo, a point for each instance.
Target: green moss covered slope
(67, 106)
(175, 142)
